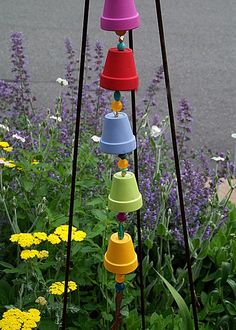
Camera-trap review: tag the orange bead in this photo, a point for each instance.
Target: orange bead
(120, 33)
(120, 278)
(123, 163)
(116, 106)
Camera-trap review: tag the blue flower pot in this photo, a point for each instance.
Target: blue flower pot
(117, 136)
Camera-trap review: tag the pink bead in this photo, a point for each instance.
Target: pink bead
(121, 217)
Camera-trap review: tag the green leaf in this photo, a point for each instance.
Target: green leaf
(154, 318)
(95, 201)
(14, 271)
(232, 284)
(183, 308)
(106, 316)
(204, 298)
(161, 230)
(47, 324)
(225, 271)
(6, 264)
(100, 214)
(149, 243)
(230, 307)
(27, 184)
(6, 293)
(97, 230)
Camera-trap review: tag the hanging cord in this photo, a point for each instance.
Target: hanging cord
(75, 156)
(136, 171)
(118, 318)
(176, 157)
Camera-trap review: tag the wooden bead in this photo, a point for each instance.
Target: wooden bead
(120, 33)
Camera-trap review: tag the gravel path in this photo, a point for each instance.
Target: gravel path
(201, 44)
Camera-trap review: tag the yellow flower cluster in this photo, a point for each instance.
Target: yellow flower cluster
(30, 254)
(41, 301)
(27, 239)
(7, 163)
(5, 146)
(61, 234)
(58, 288)
(34, 162)
(15, 319)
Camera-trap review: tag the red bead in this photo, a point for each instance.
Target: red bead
(121, 217)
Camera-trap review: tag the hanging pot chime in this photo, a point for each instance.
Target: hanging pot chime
(119, 15)
(119, 74)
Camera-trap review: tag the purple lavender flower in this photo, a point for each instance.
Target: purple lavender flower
(72, 69)
(7, 96)
(23, 99)
(184, 125)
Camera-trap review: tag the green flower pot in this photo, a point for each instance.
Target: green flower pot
(124, 195)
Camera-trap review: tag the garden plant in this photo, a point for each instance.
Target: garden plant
(35, 176)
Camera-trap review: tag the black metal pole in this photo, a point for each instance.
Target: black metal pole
(176, 157)
(138, 216)
(75, 157)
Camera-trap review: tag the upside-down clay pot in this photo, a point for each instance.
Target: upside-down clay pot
(117, 136)
(119, 15)
(124, 195)
(120, 257)
(119, 73)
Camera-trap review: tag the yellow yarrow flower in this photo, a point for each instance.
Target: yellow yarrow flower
(58, 288)
(34, 314)
(9, 164)
(28, 239)
(43, 254)
(63, 229)
(61, 234)
(72, 285)
(28, 254)
(53, 239)
(40, 235)
(4, 144)
(8, 149)
(41, 301)
(35, 162)
(78, 236)
(15, 319)
(23, 239)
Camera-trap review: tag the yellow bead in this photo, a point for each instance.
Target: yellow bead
(123, 163)
(120, 278)
(116, 106)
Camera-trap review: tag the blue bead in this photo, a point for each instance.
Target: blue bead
(121, 46)
(119, 287)
(117, 95)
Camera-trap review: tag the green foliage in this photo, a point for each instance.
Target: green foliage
(34, 197)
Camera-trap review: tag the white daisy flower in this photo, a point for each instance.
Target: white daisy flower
(218, 159)
(18, 137)
(62, 82)
(96, 138)
(56, 118)
(155, 131)
(4, 127)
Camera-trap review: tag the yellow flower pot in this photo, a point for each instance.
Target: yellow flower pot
(120, 257)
